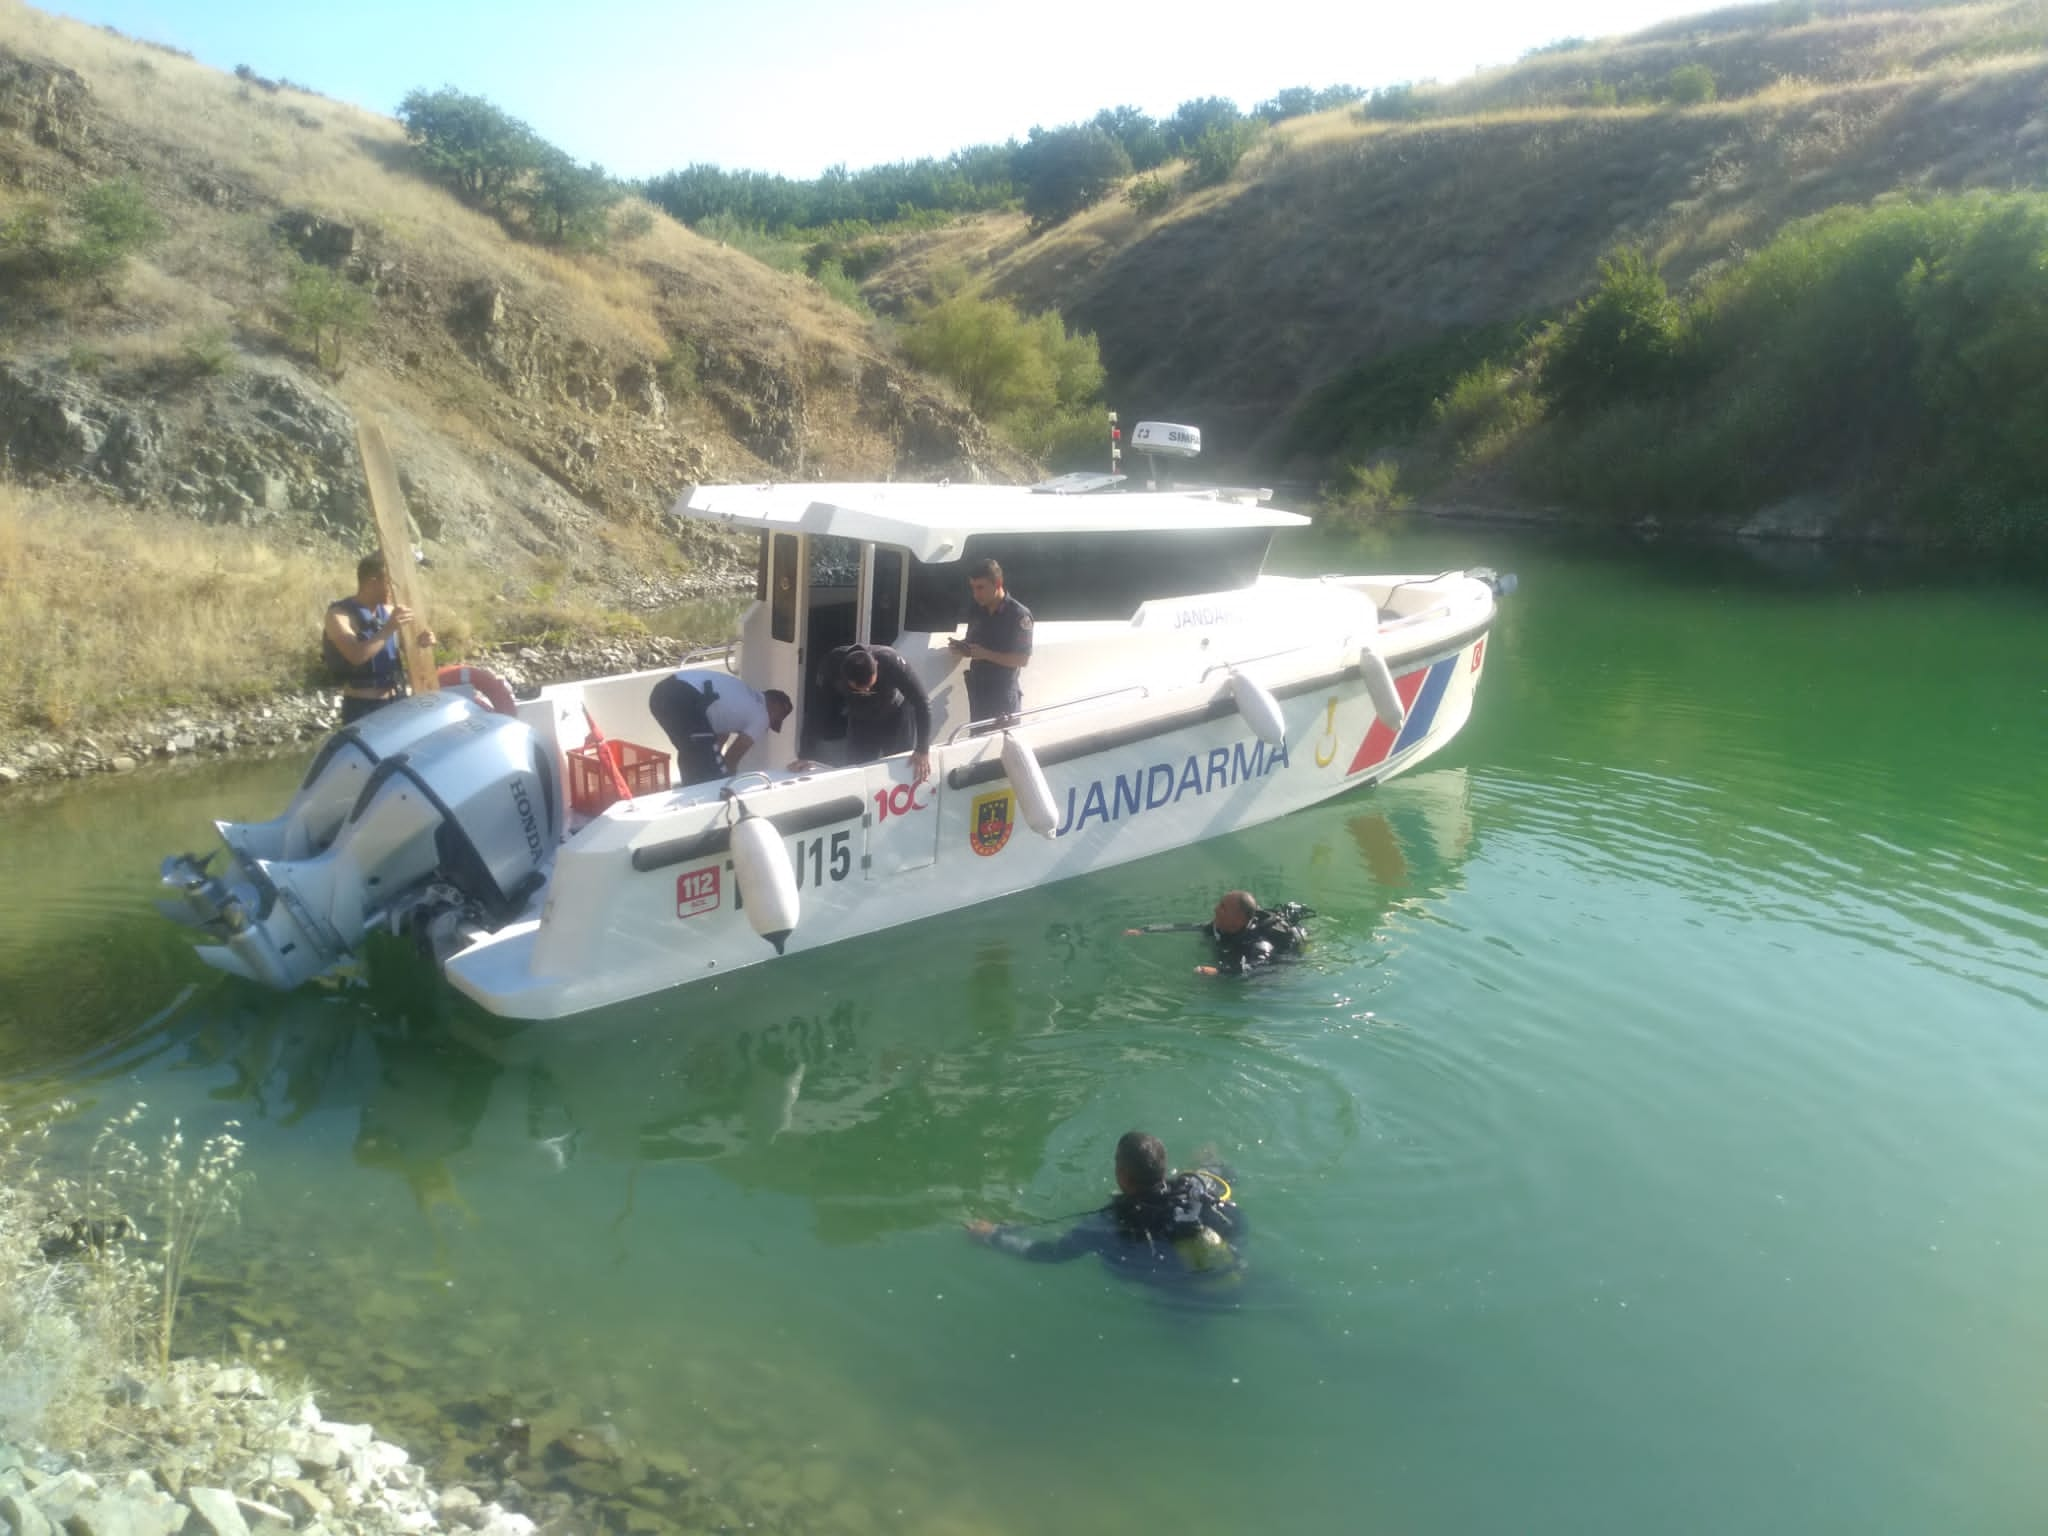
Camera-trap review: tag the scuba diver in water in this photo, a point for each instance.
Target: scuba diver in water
(1162, 1227)
(1246, 935)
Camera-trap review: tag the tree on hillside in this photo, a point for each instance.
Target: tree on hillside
(1213, 156)
(1295, 101)
(1139, 134)
(1063, 170)
(322, 310)
(478, 150)
(570, 200)
(1301, 100)
(1192, 119)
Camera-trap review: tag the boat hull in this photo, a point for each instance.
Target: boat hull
(647, 898)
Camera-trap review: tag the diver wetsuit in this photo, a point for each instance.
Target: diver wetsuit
(1188, 1229)
(1268, 935)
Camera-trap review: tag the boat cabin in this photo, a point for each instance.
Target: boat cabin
(887, 565)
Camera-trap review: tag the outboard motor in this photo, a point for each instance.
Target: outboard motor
(458, 830)
(339, 771)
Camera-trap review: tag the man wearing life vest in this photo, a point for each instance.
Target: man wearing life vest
(699, 709)
(997, 647)
(359, 642)
(1162, 1227)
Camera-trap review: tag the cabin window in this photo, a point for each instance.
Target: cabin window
(835, 586)
(782, 600)
(835, 563)
(1089, 575)
(885, 601)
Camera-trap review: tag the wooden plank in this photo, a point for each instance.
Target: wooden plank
(394, 538)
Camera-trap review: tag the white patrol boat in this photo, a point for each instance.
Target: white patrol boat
(1173, 693)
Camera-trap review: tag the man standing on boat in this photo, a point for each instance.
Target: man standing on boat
(887, 708)
(359, 642)
(997, 648)
(698, 708)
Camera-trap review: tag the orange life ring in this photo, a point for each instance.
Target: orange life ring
(489, 687)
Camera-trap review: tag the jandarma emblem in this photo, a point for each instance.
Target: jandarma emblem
(994, 817)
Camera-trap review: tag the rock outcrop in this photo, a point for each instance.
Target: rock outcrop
(244, 448)
(43, 103)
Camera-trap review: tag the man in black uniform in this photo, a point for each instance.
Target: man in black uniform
(1165, 1228)
(1246, 935)
(887, 708)
(998, 646)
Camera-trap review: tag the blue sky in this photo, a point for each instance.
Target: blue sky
(795, 85)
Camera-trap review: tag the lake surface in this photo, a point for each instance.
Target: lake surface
(1655, 1139)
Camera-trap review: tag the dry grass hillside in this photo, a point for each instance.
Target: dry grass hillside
(545, 406)
(1341, 238)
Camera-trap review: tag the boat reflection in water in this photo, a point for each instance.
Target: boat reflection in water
(890, 1085)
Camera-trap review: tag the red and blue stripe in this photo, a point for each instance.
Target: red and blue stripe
(1421, 692)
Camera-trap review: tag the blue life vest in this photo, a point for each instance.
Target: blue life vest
(380, 671)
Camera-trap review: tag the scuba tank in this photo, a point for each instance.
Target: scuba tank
(1184, 1215)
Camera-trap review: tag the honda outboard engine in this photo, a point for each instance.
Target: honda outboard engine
(338, 774)
(457, 830)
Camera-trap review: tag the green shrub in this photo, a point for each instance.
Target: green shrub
(855, 250)
(1069, 438)
(1396, 104)
(209, 352)
(1029, 376)
(678, 370)
(1887, 358)
(1213, 156)
(768, 249)
(323, 310)
(1482, 413)
(1690, 85)
(833, 279)
(1362, 494)
(635, 222)
(115, 220)
(983, 347)
(1618, 342)
(101, 227)
(1149, 195)
(1389, 399)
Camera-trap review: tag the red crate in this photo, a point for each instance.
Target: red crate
(591, 786)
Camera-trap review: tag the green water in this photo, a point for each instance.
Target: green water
(1654, 1140)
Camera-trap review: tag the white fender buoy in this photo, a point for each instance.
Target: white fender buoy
(1379, 683)
(1260, 709)
(1034, 795)
(767, 882)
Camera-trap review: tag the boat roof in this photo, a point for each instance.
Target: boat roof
(934, 521)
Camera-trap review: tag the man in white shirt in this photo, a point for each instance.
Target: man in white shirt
(698, 708)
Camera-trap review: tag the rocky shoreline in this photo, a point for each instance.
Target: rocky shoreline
(233, 1454)
(265, 726)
